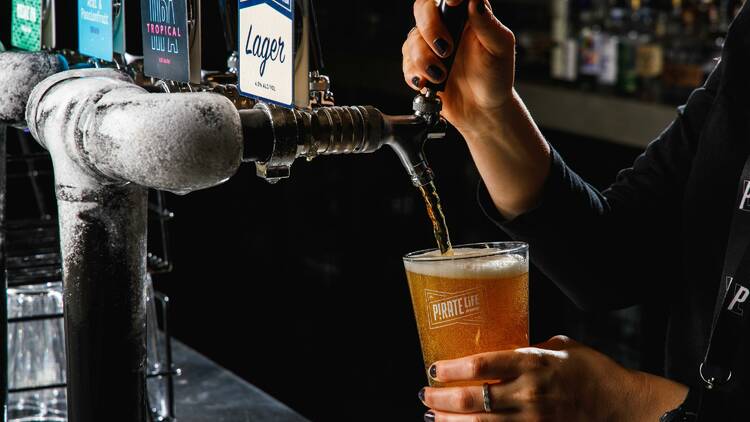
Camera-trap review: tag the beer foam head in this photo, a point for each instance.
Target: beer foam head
(469, 263)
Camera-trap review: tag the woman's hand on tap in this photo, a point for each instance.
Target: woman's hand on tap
(479, 100)
(481, 79)
(559, 380)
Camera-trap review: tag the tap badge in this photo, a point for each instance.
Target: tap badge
(450, 308)
(95, 28)
(26, 24)
(165, 39)
(266, 50)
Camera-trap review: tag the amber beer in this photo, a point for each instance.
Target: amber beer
(472, 301)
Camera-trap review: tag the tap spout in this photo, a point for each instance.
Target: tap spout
(407, 136)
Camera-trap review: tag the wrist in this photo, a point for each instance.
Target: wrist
(487, 123)
(645, 397)
(511, 154)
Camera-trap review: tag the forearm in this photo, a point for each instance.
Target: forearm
(511, 155)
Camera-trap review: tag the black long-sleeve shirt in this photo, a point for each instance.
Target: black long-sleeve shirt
(660, 231)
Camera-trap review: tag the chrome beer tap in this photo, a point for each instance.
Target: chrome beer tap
(275, 137)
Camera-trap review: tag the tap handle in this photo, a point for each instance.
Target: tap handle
(454, 18)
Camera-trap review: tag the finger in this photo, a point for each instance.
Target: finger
(503, 397)
(431, 27)
(439, 416)
(411, 75)
(491, 33)
(423, 62)
(503, 365)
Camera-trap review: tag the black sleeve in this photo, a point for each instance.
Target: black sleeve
(615, 248)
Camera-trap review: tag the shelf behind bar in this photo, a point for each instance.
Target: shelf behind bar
(609, 118)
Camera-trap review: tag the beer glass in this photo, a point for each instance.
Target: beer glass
(473, 300)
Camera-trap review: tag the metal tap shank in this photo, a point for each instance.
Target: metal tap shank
(275, 137)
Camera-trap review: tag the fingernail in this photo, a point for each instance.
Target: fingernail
(435, 72)
(429, 416)
(481, 7)
(441, 46)
(415, 81)
(433, 371)
(421, 395)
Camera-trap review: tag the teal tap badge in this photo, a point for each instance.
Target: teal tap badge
(95, 28)
(26, 24)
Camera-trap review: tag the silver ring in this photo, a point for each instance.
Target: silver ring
(486, 396)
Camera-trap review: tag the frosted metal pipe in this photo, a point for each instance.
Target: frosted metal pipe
(110, 140)
(19, 74)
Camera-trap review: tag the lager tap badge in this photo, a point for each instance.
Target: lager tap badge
(27, 25)
(166, 47)
(95, 28)
(266, 48)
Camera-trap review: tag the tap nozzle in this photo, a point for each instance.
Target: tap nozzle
(428, 106)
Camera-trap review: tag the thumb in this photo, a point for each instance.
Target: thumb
(491, 33)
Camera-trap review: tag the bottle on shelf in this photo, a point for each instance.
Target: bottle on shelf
(609, 49)
(590, 44)
(564, 52)
(649, 58)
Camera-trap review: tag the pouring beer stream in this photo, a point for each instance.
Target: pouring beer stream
(428, 105)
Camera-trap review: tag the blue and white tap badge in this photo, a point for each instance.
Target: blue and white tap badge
(95, 28)
(266, 49)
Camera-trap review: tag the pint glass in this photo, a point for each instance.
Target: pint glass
(472, 301)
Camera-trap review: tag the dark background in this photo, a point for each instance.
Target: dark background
(299, 287)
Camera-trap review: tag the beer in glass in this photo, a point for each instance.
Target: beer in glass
(471, 301)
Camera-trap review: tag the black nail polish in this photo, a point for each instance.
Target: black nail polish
(433, 371)
(415, 81)
(435, 72)
(481, 7)
(421, 395)
(429, 416)
(441, 46)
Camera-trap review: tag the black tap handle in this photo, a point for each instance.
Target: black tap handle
(454, 18)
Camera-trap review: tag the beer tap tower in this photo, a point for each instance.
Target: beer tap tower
(104, 155)
(20, 72)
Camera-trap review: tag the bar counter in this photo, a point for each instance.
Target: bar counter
(206, 392)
